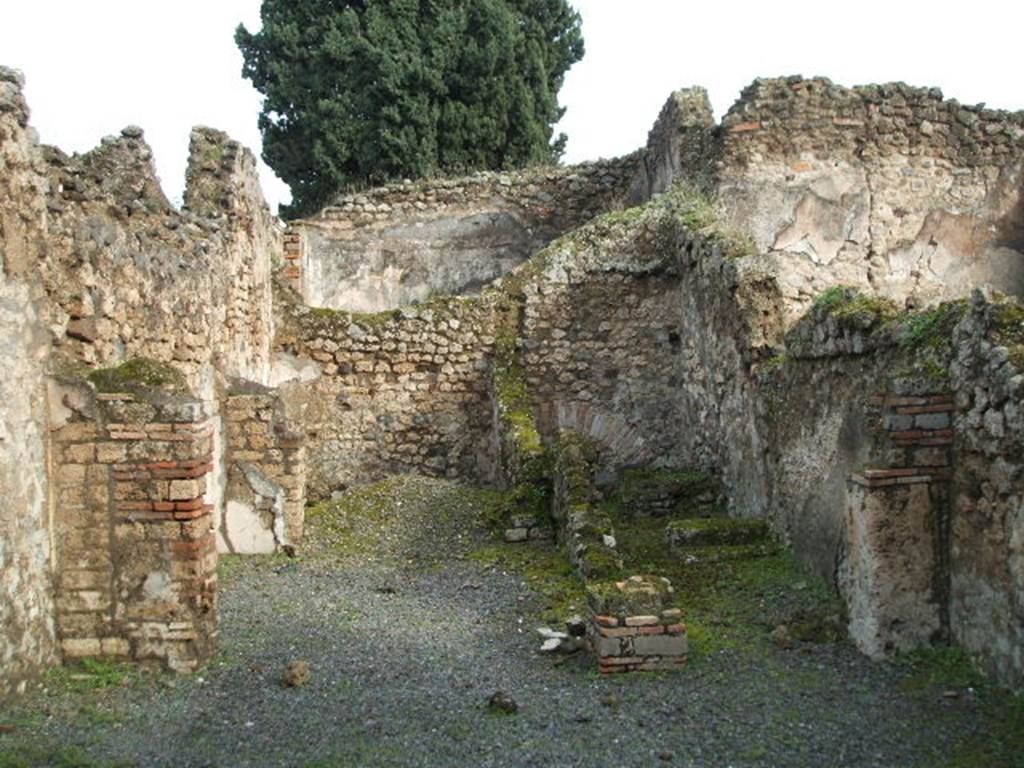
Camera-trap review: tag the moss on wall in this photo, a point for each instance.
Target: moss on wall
(139, 375)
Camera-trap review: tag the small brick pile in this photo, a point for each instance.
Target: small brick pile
(637, 630)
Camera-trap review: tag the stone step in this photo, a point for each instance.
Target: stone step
(714, 531)
(723, 554)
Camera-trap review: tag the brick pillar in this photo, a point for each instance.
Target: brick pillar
(895, 573)
(137, 561)
(294, 254)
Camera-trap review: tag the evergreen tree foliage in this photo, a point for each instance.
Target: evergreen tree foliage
(360, 92)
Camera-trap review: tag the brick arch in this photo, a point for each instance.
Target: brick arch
(617, 437)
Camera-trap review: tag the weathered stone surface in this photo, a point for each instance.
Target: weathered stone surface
(656, 335)
(889, 573)
(398, 245)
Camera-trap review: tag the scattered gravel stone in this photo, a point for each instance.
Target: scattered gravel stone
(781, 637)
(296, 674)
(502, 703)
(404, 680)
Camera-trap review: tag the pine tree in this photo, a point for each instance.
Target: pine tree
(360, 92)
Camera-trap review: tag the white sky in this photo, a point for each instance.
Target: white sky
(95, 66)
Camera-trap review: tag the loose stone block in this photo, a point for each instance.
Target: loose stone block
(660, 645)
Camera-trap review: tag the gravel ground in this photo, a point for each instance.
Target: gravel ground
(407, 637)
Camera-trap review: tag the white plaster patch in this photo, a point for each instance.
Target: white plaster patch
(244, 531)
(157, 586)
(288, 368)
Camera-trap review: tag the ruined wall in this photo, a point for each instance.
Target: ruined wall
(886, 188)
(987, 557)
(398, 392)
(99, 268)
(266, 474)
(27, 631)
(599, 332)
(128, 276)
(397, 245)
(135, 552)
(681, 145)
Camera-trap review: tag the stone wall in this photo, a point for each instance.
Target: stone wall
(987, 555)
(398, 245)
(265, 496)
(126, 275)
(895, 572)
(135, 552)
(397, 392)
(27, 630)
(905, 494)
(890, 189)
(99, 268)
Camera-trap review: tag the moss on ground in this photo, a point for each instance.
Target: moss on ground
(353, 525)
(948, 675)
(560, 592)
(716, 530)
(138, 375)
(51, 756)
(732, 596)
(91, 674)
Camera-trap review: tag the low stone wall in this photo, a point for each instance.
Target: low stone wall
(136, 559)
(523, 462)
(584, 531)
(633, 625)
(398, 245)
(264, 504)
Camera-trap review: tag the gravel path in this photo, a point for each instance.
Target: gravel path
(407, 637)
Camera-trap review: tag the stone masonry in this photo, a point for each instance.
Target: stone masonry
(895, 574)
(531, 331)
(133, 472)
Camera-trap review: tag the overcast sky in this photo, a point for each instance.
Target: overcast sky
(95, 66)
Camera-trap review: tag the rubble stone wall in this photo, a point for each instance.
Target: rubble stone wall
(889, 189)
(394, 393)
(99, 268)
(987, 529)
(27, 631)
(398, 245)
(127, 276)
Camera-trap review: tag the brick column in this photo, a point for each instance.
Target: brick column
(294, 258)
(633, 627)
(895, 574)
(137, 561)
